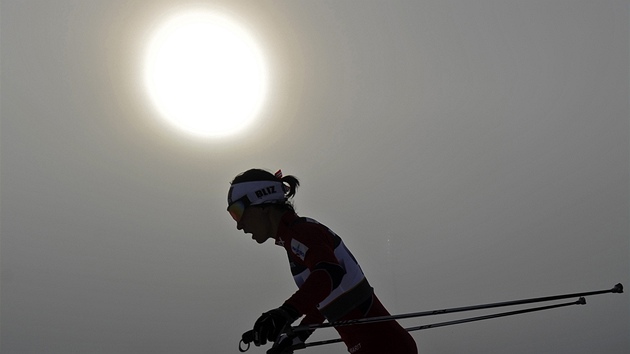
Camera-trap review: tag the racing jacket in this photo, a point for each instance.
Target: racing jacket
(329, 279)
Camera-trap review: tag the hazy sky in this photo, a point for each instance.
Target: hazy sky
(467, 152)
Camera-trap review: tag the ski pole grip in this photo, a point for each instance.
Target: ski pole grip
(618, 289)
(247, 338)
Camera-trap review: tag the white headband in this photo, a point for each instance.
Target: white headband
(258, 192)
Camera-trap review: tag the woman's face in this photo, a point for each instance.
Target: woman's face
(256, 221)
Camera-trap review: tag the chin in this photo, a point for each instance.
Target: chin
(261, 240)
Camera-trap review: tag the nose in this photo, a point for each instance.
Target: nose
(239, 225)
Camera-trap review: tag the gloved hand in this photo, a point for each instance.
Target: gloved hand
(248, 337)
(269, 326)
(286, 344)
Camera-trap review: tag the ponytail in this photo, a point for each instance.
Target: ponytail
(293, 184)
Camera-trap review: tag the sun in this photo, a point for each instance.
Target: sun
(205, 74)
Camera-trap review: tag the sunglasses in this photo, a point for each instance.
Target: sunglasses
(237, 208)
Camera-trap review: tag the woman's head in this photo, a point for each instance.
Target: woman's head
(254, 193)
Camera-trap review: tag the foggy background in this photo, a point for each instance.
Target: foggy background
(466, 151)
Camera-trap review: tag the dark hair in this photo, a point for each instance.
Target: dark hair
(256, 174)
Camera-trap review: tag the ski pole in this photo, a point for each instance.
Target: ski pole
(616, 289)
(580, 301)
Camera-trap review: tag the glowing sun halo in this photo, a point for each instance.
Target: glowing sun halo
(205, 74)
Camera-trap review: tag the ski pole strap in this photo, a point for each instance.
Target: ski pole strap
(246, 339)
(241, 348)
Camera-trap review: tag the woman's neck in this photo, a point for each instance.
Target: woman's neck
(275, 216)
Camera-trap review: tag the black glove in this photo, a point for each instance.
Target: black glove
(248, 337)
(269, 326)
(287, 344)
